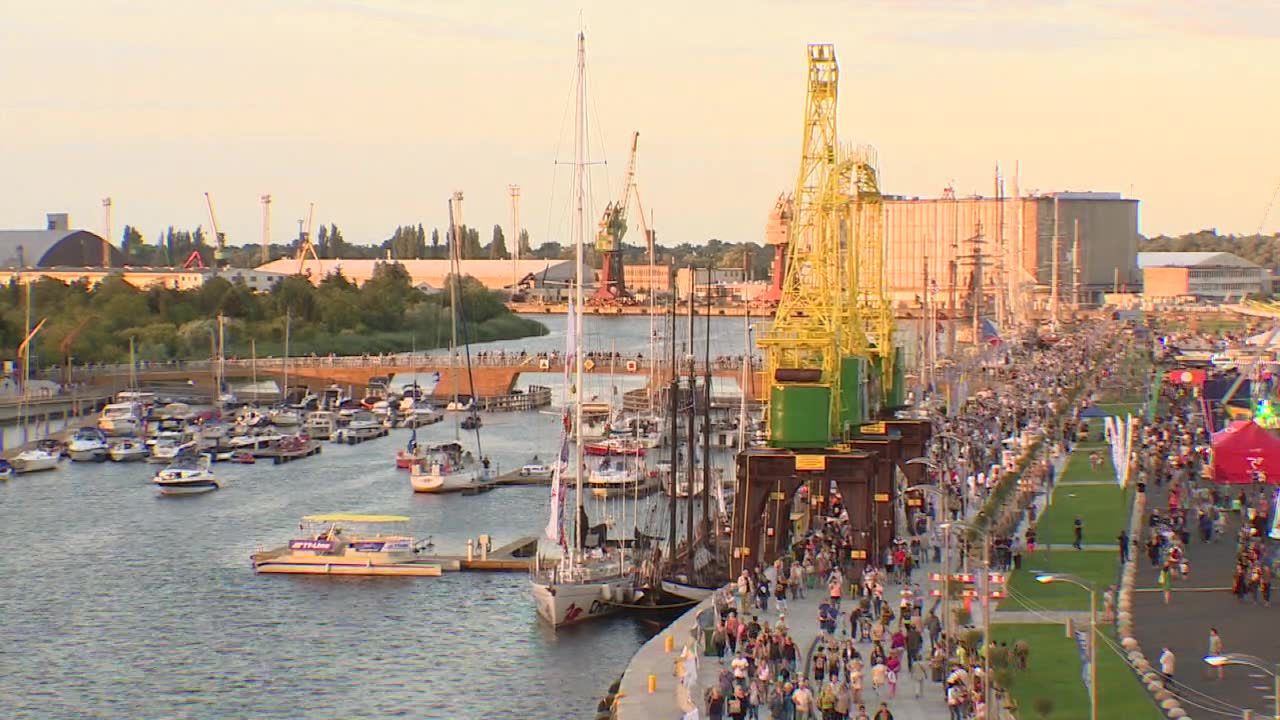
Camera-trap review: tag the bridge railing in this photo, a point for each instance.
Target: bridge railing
(393, 362)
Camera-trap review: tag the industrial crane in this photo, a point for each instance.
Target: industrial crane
(829, 340)
(777, 232)
(305, 246)
(613, 226)
(68, 340)
(219, 237)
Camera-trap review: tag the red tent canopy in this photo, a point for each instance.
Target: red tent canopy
(1245, 454)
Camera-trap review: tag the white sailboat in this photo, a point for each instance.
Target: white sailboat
(584, 584)
(449, 467)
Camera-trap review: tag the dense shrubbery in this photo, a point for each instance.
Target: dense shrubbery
(386, 314)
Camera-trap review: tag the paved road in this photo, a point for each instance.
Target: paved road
(1183, 626)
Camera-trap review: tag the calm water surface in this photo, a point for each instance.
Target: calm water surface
(115, 603)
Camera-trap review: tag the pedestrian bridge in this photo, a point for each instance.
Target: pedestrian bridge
(491, 374)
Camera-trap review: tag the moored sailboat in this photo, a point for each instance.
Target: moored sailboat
(591, 579)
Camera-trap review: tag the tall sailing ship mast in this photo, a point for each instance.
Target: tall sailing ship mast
(583, 585)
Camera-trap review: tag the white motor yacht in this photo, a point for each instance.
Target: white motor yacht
(187, 476)
(121, 418)
(320, 425)
(613, 477)
(168, 449)
(36, 460)
(286, 417)
(363, 426)
(88, 444)
(127, 451)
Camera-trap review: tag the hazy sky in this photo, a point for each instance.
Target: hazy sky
(376, 110)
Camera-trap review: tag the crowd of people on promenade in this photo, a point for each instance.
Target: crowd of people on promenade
(879, 633)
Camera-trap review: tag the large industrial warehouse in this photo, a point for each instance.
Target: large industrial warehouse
(936, 243)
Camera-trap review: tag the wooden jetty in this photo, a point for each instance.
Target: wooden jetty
(283, 455)
(516, 556)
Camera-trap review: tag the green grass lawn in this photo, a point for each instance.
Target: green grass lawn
(1054, 671)
(1135, 407)
(1079, 470)
(1103, 508)
(1097, 567)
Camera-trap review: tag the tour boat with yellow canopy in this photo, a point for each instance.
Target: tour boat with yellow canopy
(348, 544)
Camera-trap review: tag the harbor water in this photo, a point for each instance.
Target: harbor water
(117, 603)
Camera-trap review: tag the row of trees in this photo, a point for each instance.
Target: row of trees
(414, 242)
(1261, 249)
(407, 242)
(386, 314)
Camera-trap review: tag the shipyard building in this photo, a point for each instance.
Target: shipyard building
(941, 246)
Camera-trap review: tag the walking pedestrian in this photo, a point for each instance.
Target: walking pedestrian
(1167, 663)
(1078, 543)
(1215, 646)
(1123, 540)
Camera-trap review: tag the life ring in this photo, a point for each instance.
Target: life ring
(631, 366)
(588, 364)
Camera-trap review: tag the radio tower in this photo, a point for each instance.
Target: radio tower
(515, 234)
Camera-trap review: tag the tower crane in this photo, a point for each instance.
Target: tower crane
(613, 227)
(825, 345)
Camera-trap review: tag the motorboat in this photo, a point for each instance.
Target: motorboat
(35, 460)
(128, 450)
(121, 418)
(595, 421)
(416, 413)
(253, 441)
(249, 417)
(88, 444)
(446, 468)
(535, 471)
(363, 426)
(176, 411)
(320, 424)
(335, 544)
(286, 417)
(471, 422)
(168, 449)
(186, 476)
(6, 469)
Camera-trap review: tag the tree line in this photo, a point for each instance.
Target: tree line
(1260, 249)
(386, 314)
(414, 242)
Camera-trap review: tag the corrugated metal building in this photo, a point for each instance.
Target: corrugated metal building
(925, 236)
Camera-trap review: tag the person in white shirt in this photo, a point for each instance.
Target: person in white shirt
(1167, 662)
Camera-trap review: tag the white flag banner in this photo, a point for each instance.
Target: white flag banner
(1120, 434)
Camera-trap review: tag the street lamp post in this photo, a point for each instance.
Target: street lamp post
(1048, 578)
(1256, 663)
(946, 547)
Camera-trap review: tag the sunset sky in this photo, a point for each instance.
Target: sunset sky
(376, 110)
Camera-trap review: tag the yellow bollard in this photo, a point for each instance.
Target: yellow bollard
(668, 643)
(653, 683)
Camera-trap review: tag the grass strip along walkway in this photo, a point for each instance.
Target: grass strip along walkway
(1054, 671)
(1097, 567)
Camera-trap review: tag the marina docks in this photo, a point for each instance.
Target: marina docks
(284, 454)
(516, 556)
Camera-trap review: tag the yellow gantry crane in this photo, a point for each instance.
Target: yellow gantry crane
(829, 350)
